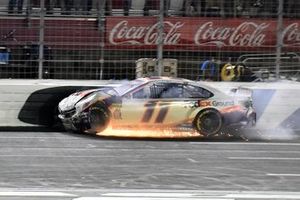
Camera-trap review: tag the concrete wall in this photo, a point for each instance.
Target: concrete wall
(33, 102)
(22, 101)
(277, 103)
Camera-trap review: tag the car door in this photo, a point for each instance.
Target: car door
(180, 102)
(136, 107)
(174, 107)
(156, 104)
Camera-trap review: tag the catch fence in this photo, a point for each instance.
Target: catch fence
(104, 39)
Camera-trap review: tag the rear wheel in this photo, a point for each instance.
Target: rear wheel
(208, 122)
(99, 117)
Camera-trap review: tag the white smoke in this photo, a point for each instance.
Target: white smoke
(273, 134)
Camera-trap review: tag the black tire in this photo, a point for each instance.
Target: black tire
(99, 117)
(208, 122)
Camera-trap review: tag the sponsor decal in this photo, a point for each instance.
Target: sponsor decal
(222, 103)
(189, 33)
(206, 103)
(123, 33)
(249, 34)
(291, 35)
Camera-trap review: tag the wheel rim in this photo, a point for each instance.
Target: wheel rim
(98, 119)
(209, 123)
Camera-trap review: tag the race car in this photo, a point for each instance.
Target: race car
(158, 103)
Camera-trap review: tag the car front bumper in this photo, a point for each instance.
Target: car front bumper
(75, 122)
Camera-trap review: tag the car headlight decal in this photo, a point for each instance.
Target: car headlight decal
(85, 102)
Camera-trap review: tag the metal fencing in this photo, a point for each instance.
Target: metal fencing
(103, 39)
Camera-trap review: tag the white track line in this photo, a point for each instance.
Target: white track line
(286, 175)
(247, 143)
(195, 195)
(35, 194)
(263, 196)
(150, 198)
(164, 194)
(57, 156)
(261, 158)
(153, 196)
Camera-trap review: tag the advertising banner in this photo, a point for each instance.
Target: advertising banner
(232, 34)
(180, 33)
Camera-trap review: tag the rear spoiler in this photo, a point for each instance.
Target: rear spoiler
(241, 91)
(242, 95)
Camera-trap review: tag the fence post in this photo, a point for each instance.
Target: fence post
(41, 38)
(160, 37)
(279, 37)
(101, 28)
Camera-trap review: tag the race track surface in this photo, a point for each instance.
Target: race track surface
(60, 165)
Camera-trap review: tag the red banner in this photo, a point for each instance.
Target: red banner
(202, 34)
(181, 33)
(59, 32)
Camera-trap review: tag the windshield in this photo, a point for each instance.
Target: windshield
(110, 91)
(125, 87)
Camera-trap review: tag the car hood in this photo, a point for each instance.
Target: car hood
(69, 102)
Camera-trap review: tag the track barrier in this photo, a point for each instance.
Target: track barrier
(32, 103)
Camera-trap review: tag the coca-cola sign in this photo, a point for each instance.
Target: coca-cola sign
(291, 35)
(122, 33)
(201, 33)
(248, 34)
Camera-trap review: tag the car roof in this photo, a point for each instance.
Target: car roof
(163, 78)
(202, 84)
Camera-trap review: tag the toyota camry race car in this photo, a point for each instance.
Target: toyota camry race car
(158, 103)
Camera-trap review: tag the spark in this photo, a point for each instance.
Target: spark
(149, 133)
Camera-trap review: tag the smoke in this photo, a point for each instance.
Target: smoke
(273, 134)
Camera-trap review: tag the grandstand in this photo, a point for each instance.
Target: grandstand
(102, 39)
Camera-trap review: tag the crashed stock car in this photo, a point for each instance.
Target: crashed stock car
(158, 103)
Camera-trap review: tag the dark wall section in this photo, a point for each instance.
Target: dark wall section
(41, 106)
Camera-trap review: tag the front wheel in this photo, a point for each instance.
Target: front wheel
(99, 117)
(208, 122)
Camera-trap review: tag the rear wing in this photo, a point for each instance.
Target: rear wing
(242, 95)
(241, 91)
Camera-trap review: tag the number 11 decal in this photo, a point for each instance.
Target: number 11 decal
(150, 106)
(149, 111)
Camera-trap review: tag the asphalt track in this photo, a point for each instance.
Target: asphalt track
(59, 165)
